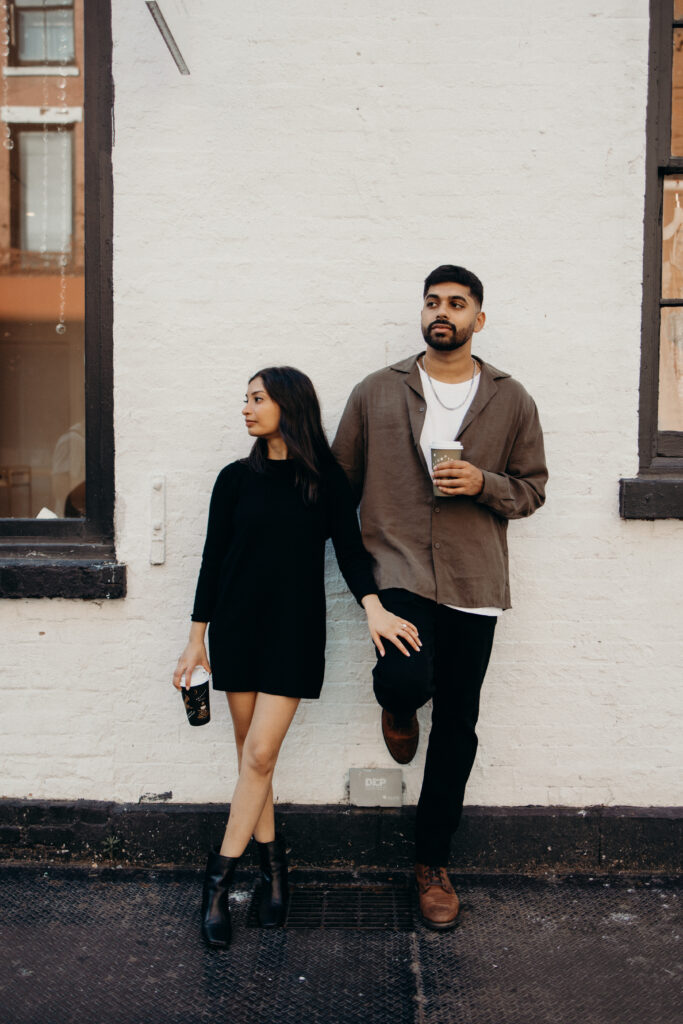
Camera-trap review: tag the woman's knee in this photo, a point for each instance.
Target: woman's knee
(259, 758)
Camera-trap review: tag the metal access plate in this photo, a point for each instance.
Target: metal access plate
(351, 908)
(376, 787)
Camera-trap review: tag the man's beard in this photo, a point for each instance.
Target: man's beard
(456, 340)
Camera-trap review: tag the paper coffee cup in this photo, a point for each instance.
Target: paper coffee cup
(196, 698)
(444, 451)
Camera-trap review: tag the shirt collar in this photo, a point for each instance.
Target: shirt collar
(410, 364)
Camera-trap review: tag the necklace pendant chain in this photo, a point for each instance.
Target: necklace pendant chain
(450, 408)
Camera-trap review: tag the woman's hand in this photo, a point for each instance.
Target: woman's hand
(193, 655)
(383, 623)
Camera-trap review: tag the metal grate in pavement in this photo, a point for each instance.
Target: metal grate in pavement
(351, 908)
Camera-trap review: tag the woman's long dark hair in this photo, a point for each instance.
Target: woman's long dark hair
(300, 426)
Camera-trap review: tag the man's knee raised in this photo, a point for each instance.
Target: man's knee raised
(403, 684)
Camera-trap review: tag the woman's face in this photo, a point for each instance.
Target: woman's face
(261, 413)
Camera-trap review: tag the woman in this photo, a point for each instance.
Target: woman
(261, 588)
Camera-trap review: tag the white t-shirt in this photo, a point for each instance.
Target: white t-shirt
(443, 425)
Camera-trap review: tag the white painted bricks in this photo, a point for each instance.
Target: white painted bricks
(282, 204)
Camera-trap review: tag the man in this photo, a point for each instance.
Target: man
(441, 562)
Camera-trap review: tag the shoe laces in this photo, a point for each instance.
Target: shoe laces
(437, 876)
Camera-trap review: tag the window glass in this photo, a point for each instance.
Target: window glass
(677, 94)
(671, 369)
(44, 36)
(44, 175)
(670, 398)
(672, 239)
(42, 306)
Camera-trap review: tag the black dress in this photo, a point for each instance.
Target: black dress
(261, 584)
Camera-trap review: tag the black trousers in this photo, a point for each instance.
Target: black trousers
(449, 670)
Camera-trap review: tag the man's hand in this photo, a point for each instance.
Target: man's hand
(459, 477)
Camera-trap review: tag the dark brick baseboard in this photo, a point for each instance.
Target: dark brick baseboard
(525, 840)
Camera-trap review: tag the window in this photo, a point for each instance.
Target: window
(42, 187)
(657, 492)
(56, 415)
(42, 32)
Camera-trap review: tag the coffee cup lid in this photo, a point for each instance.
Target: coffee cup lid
(199, 676)
(445, 444)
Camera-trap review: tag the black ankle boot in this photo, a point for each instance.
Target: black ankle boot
(274, 886)
(216, 929)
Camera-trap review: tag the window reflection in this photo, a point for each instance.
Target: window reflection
(671, 369)
(672, 239)
(42, 401)
(43, 30)
(43, 172)
(677, 94)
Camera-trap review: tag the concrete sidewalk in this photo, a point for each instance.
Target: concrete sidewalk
(122, 947)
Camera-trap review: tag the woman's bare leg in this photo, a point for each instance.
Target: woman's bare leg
(270, 721)
(241, 711)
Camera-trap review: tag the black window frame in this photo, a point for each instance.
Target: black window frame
(14, 60)
(657, 491)
(77, 557)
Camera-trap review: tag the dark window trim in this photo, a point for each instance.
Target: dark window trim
(77, 557)
(657, 491)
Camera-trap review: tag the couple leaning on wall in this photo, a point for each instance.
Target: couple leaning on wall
(428, 564)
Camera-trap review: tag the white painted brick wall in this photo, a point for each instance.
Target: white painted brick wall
(283, 204)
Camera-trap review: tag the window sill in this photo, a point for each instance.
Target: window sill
(42, 575)
(651, 497)
(42, 115)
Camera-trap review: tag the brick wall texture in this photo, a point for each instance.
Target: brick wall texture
(282, 204)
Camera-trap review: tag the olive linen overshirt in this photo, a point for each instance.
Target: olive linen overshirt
(452, 550)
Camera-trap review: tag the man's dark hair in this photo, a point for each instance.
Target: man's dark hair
(459, 275)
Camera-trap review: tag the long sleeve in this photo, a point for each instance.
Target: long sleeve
(353, 559)
(218, 535)
(519, 491)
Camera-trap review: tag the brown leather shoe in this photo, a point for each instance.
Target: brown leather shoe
(439, 905)
(401, 736)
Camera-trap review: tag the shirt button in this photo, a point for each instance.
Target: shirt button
(437, 545)
(436, 508)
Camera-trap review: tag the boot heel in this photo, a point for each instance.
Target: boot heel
(272, 906)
